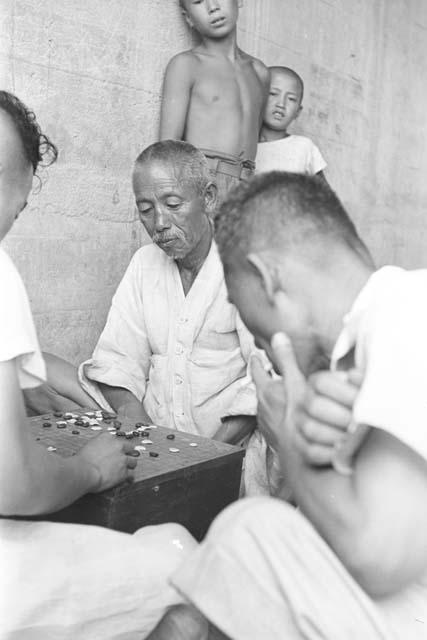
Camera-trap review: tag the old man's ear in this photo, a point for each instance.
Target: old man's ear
(211, 198)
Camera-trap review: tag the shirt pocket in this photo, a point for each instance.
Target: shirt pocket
(218, 335)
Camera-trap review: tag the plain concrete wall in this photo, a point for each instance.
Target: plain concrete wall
(92, 71)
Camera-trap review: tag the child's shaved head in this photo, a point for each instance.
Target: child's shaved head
(290, 73)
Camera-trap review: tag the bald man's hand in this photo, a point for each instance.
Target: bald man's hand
(272, 403)
(311, 415)
(322, 420)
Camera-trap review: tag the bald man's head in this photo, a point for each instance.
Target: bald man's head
(286, 214)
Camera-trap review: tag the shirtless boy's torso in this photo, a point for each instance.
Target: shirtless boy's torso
(215, 101)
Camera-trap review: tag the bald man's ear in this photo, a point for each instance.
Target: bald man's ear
(265, 274)
(211, 198)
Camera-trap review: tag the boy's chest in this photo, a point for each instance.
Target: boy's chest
(226, 84)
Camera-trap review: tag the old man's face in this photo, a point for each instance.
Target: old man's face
(170, 207)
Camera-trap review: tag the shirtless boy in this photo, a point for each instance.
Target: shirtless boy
(214, 95)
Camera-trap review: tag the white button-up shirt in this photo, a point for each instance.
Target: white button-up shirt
(185, 357)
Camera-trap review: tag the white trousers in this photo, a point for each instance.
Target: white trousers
(75, 582)
(264, 573)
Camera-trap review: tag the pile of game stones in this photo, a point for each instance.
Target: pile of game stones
(92, 419)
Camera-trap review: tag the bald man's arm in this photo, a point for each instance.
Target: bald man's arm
(356, 514)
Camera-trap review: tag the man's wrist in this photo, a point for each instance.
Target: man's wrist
(134, 409)
(88, 471)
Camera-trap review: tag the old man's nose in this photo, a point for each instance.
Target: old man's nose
(161, 220)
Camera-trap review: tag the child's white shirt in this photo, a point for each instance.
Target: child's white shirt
(295, 154)
(18, 338)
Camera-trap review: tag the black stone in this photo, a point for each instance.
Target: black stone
(75, 432)
(47, 424)
(153, 454)
(170, 436)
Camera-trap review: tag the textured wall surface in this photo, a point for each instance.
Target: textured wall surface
(92, 71)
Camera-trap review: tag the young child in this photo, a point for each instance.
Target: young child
(214, 95)
(61, 580)
(278, 150)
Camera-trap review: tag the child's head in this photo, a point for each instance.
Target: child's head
(213, 19)
(22, 148)
(284, 102)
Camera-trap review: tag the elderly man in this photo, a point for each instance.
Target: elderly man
(352, 561)
(174, 351)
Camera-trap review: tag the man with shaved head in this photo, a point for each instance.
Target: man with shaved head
(348, 420)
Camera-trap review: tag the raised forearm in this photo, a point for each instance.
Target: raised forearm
(356, 514)
(328, 499)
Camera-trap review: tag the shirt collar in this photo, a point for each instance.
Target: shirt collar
(377, 282)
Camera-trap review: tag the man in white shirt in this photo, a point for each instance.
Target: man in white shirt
(174, 351)
(352, 561)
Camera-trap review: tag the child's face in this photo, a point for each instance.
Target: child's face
(284, 101)
(212, 18)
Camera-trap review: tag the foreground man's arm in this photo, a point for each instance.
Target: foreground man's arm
(374, 519)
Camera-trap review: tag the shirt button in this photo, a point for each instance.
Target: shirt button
(178, 379)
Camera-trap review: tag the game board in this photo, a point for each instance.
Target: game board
(190, 480)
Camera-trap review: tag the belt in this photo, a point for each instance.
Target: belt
(230, 165)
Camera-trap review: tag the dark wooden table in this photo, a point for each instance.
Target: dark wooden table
(190, 486)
